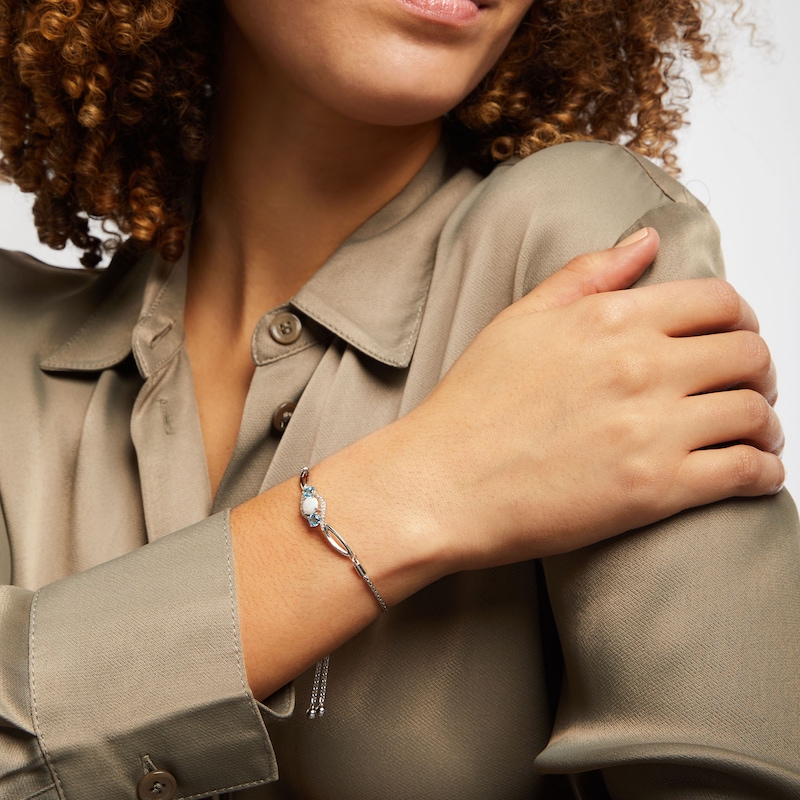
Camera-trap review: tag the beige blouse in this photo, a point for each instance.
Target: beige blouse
(662, 664)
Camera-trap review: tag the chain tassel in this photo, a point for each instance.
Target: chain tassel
(316, 707)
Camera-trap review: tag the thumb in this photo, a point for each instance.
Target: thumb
(591, 273)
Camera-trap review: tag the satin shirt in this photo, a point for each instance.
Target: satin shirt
(661, 664)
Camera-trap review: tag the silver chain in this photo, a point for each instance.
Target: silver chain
(316, 708)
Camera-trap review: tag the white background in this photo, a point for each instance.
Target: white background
(740, 156)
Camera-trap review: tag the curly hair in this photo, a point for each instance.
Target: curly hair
(105, 104)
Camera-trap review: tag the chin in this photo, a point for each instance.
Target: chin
(413, 101)
(399, 111)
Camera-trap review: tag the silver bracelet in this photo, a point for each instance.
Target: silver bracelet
(312, 509)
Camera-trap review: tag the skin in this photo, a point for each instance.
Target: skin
(320, 142)
(297, 137)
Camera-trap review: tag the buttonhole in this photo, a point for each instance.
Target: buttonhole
(160, 335)
(168, 426)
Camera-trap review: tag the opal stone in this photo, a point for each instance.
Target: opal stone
(309, 505)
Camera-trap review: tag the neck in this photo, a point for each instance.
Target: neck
(288, 180)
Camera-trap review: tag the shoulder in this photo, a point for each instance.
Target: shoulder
(31, 291)
(22, 275)
(529, 218)
(41, 306)
(586, 196)
(586, 175)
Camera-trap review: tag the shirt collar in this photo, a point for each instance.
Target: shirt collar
(371, 292)
(104, 338)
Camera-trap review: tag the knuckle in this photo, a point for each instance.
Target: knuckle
(780, 477)
(749, 318)
(633, 372)
(608, 313)
(641, 471)
(746, 467)
(771, 391)
(586, 263)
(780, 440)
(757, 410)
(642, 480)
(728, 300)
(757, 353)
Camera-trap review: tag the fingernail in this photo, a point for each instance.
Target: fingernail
(643, 233)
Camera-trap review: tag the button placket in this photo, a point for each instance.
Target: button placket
(281, 375)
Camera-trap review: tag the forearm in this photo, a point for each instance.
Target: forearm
(298, 599)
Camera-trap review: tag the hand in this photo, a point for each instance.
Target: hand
(609, 410)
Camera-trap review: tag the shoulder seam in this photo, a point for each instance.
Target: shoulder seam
(643, 166)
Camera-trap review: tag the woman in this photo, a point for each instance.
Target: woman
(342, 260)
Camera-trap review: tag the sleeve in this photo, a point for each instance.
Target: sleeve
(681, 641)
(106, 692)
(681, 646)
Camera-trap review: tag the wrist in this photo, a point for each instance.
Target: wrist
(380, 499)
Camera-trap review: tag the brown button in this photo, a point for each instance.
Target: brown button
(157, 785)
(280, 419)
(285, 328)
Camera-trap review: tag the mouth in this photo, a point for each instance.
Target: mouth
(447, 12)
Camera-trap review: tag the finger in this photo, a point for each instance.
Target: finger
(770, 387)
(735, 471)
(749, 318)
(742, 416)
(591, 273)
(690, 307)
(719, 361)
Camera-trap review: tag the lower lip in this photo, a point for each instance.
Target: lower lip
(448, 12)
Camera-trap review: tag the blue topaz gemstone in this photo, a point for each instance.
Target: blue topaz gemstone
(314, 520)
(308, 491)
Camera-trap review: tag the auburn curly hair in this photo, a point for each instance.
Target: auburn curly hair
(105, 104)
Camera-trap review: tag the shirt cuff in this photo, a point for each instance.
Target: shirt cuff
(138, 664)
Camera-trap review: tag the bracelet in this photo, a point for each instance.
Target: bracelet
(312, 509)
